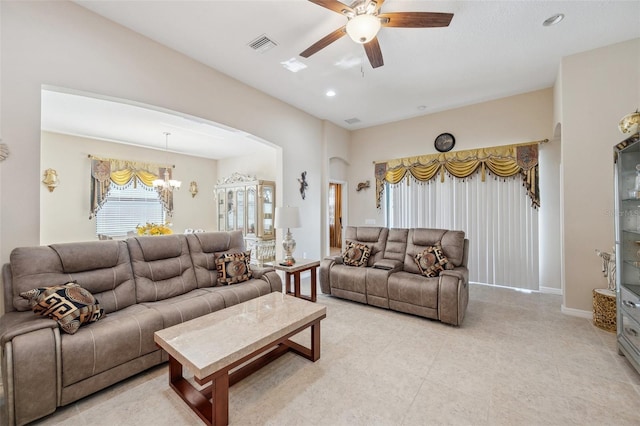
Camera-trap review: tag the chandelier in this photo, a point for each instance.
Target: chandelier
(166, 184)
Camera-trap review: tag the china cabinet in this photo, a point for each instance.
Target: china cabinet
(627, 229)
(248, 204)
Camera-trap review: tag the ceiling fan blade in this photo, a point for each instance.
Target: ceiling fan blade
(374, 53)
(324, 42)
(415, 19)
(334, 5)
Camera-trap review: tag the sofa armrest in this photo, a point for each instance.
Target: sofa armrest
(325, 267)
(336, 259)
(31, 360)
(388, 265)
(272, 277)
(259, 271)
(460, 272)
(453, 296)
(13, 324)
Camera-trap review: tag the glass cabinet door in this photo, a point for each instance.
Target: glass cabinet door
(240, 211)
(268, 211)
(251, 210)
(221, 210)
(231, 211)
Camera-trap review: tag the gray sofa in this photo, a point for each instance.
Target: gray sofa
(391, 278)
(144, 284)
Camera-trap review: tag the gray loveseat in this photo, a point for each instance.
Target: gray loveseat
(144, 284)
(391, 277)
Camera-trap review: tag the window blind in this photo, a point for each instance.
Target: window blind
(127, 207)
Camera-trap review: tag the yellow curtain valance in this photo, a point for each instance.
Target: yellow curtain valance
(124, 172)
(502, 161)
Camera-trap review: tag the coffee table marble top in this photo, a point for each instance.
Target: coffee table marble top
(211, 342)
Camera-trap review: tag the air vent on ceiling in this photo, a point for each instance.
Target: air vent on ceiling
(262, 44)
(353, 120)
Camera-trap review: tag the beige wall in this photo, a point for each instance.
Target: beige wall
(64, 45)
(261, 166)
(521, 118)
(64, 213)
(598, 88)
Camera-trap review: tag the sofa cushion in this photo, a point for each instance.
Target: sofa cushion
(452, 243)
(247, 290)
(108, 278)
(206, 247)
(187, 306)
(161, 270)
(69, 304)
(431, 261)
(356, 254)
(118, 338)
(413, 289)
(374, 237)
(233, 268)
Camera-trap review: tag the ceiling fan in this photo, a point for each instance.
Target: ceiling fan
(365, 20)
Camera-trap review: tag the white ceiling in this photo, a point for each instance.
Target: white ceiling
(492, 49)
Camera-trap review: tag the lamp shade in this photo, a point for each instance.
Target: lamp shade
(363, 28)
(287, 217)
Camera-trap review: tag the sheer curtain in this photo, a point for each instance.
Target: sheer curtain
(496, 216)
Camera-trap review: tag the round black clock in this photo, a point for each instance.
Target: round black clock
(444, 142)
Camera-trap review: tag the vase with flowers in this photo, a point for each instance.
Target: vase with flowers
(154, 229)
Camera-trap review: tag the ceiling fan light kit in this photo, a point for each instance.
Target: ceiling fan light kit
(364, 22)
(363, 28)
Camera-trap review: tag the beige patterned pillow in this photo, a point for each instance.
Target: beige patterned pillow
(431, 261)
(233, 268)
(69, 304)
(356, 254)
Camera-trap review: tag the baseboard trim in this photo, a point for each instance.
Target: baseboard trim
(576, 312)
(551, 290)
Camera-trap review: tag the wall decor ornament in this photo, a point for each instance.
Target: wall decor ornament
(4, 151)
(630, 123)
(363, 185)
(193, 188)
(303, 184)
(51, 179)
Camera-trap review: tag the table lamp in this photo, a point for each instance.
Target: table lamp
(288, 217)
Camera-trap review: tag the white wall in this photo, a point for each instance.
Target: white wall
(549, 218)
(262, 166)
(64, 213)
(598, 88)
(62, 44)
(522, 118)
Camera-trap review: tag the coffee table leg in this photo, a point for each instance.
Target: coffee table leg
(221, 400)
(315, 342)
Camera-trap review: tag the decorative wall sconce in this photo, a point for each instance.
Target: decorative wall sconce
(51, 179)
(193, 188)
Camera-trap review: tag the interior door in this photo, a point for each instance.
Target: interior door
(335, 216)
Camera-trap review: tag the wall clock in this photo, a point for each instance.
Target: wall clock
(444, 142)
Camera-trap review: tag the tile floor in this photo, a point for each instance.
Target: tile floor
(515, 361)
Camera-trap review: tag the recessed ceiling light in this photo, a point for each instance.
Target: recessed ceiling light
(293, 65)
(330, 93)
(555, 19)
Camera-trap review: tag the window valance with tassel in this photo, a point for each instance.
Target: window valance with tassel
(502, 161)
(123, 173)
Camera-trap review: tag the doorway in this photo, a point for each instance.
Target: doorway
(335, 218)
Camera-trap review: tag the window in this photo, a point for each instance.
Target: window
(127, 207)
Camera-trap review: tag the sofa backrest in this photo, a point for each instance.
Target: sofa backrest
(396, 244)
(374, 237)
(452, 243)
(205, 248)
(101, 267)
(162, 266)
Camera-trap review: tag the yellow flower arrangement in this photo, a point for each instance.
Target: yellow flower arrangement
(153, 229)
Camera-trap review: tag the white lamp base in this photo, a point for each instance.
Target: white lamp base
(289, 245)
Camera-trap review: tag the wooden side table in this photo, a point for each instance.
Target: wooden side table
(604, 309)
(294, 271)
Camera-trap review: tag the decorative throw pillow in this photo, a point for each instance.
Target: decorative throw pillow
(431, 261)
(233, 268)
(69, 304)
(356, 254)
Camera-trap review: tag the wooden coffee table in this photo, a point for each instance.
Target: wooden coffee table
(212, 345)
